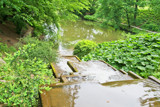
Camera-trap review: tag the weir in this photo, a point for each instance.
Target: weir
(98, 84)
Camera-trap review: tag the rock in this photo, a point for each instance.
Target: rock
(28, 30)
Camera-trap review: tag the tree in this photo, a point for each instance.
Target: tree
(38, 14)
(110, 11)
(117, 11)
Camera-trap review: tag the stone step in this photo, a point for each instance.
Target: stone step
(99, 71)
(61, 67)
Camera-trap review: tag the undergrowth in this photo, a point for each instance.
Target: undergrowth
(21, 78)
(44, 50)
(5, 48)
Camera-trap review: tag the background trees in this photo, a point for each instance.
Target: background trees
(118, 11)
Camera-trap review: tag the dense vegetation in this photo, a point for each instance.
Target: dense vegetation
(5, 48)
(42, 49)
(148, 19)
(22, 76)
(140, 54)
(140, 13)
(25, 70)
(38, 14)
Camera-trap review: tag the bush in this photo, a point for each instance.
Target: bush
(4, 48)
(89, 17)
(43, 50)
(23, 76)
(83, 47)
(140, 54)
(151, 26)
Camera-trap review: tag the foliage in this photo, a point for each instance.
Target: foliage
(140, 54)
(155, 6)
(141, 13)
(42, 49)
(83, 47)
(151, 26)
(23, 76)
(105, 11)
(89, 17)
(116, 11)
(38, 14)
(92, 5)
(148, 19)
(4, 48)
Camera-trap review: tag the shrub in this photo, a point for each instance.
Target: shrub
(151, 26)
(41, 49)
(4, 48)
(23, 76)
(83, 47)
(89, 17)
(140, 54)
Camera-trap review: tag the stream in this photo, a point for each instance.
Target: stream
(72, 32)
(95, 83)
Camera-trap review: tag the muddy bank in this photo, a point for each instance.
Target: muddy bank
(8, 34)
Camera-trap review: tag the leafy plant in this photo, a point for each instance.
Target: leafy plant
(22, 76)
(41, 49)
(89, 17)
(83, 47)
(4, 48)
(140, 54)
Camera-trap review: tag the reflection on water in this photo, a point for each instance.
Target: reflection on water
(132, 93)
(72, 32)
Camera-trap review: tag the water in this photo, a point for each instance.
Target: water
(98, 71)
(72, 32)
(117, 90)
(132, 93)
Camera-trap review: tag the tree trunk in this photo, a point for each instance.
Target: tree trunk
(129, 25)
(135, 12)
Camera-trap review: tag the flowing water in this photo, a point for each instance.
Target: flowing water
(98, 71)
(72, 32)
(108, 88)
